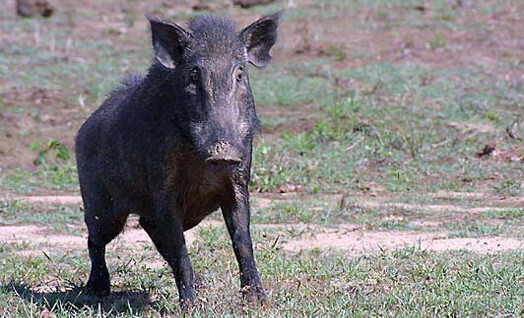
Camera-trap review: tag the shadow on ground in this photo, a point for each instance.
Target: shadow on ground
(76, 299)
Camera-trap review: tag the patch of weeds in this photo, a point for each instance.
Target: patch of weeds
(426, 199)
(384, 218)
(351, 132)
(22, 181)
(51, 153)
(447, 16)
(273, 87)
(52, 283)
(438, 41)
(401, 180)
(58, 217)
(211, 238)
(11, 247)
(491, 115)
(268, 172)
(505, 214)
(336, 52)
(56, 171)
(395, 224)
(509, 187)
(296, 232)
(291, 14)
(126, 268)
(408, 282)
(5, 248)
(308, 211)
(456, 185)
(479, 228)
(181, 15)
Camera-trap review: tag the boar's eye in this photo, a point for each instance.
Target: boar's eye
(240, 73)
(193, 75)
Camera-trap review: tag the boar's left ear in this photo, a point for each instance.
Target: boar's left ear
(259, 37)
(169, 41)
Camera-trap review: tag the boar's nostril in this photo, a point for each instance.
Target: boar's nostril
(222, 162)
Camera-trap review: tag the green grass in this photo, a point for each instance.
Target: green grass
(300, 211)
(404, 282)
(55, 170)
(450, 219)
(61, 218)
(393, 119)
(57, 178)
(337, 119)
(486, 228)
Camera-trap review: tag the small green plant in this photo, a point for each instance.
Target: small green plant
(268, 171)
(476, 229)
(57, 171)
(447, 16)
(52, 153)
(337, 52)
(438, 41)
(491, 115)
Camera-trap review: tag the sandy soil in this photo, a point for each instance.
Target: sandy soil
(356, 241)
(351, 238)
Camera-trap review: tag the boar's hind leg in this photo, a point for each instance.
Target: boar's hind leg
(236, 214)
(102, 227)
(168, 236)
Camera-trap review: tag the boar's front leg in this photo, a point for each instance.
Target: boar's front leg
(167, 234)
(235, 208)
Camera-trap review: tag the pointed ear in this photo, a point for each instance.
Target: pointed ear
(259, 37)
(169, 41)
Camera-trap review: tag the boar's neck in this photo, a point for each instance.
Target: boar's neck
(158, 102)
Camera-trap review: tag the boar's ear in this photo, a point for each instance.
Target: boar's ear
(259, 37)
(169, 41)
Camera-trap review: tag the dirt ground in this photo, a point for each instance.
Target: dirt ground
(353, 239)
(55, 114)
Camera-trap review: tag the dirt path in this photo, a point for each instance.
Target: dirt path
(355, 241)
(348, 238)
(52, 199)
(351, 238)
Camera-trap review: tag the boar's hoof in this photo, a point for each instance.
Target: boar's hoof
(186, 304)
(98, 288)
(252, 294)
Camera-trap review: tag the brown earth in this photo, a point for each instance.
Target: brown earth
(353, 239)
(349, 238)
(55, 113)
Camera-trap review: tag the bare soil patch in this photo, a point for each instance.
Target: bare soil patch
(356, 241)
(489, 202)
(479, 245)
(477, 127)
(133, 237)
(52, 199)
(435, 207)
(36, 235)
(460, 195)
(352, 239)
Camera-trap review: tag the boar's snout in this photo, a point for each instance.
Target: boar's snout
(223, 155)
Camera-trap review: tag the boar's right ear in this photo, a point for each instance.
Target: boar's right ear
(169, 41)
(259, 37)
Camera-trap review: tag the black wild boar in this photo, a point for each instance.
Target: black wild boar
(175, 145)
